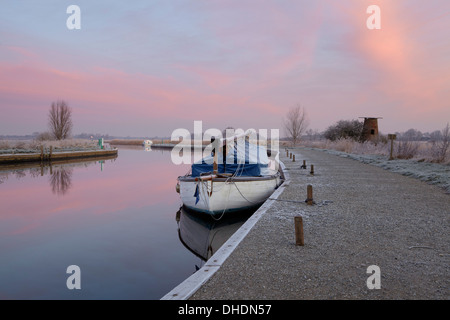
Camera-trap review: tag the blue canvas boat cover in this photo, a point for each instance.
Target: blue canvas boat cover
(244, 160)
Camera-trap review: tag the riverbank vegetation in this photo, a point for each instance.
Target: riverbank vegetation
(410, 145)
(34, 145)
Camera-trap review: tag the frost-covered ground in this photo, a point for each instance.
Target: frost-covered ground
(367, 219)
(432, 173)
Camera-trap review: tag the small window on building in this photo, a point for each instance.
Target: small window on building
(372, 131)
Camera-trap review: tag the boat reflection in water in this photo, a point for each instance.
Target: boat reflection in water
(204, 234)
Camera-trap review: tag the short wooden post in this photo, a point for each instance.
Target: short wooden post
(290, 156)
(309, 196)
(304, 165)
(50, 155)
(42, 153)
(293, 158)
(287, 153)
(312, 170)
(299, 238)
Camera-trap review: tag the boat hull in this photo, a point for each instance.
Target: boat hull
(220, 195)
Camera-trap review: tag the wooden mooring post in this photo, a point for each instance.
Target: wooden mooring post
(299, 237)
(312, 170)
(303, 166)
(309, 195)
(293, 158)
(42, 153)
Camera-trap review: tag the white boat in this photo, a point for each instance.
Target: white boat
(147, 145)
(244, 179)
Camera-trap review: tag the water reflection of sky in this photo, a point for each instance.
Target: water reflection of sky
(115, 220)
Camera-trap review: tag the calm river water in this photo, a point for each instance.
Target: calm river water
(118, 220)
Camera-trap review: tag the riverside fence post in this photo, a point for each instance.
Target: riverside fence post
(299, 238)
(42, 153)
(312, 170)
(293, 158)
(392, 137)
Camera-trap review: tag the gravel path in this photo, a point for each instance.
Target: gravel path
(363, 216)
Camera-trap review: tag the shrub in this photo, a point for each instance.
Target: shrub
(345, 145)
(441, 145)
(4, 144)
(44, 136)
(407, 149)
(408, 144)
(344, 129)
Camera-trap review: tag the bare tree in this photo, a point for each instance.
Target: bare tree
(295, 123)
(60, 120)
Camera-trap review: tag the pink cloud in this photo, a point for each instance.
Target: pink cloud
(113, 91)
(244, 62)
(398, 52)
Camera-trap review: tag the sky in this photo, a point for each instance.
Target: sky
(146, 68)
